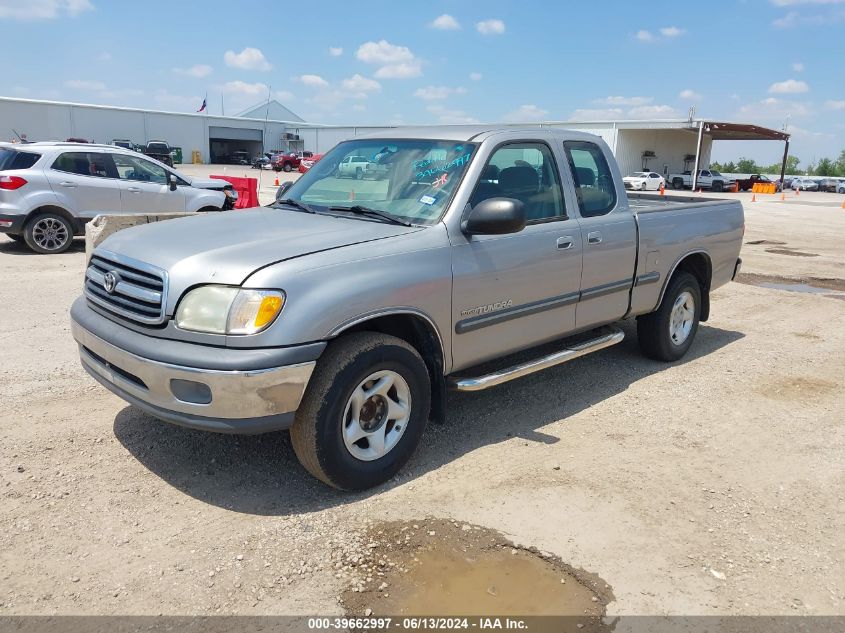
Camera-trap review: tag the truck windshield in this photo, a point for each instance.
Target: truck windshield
(411, 179)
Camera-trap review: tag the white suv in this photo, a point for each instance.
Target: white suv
(48, 191)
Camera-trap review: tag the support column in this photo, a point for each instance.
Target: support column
(697, 155)
(783, 164)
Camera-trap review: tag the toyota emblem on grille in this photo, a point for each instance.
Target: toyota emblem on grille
(110, 280)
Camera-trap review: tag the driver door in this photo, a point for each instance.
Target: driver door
(514, 291)
(144, 187)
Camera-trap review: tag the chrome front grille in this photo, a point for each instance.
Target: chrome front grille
(126, 287)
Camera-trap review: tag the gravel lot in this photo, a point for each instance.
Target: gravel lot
(714, 485)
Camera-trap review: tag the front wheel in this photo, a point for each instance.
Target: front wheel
(642, 187)
(717, 186)
(359, 173)
(48, 234)
(287, 167)
(667, 333)
(364, 411)
(677, 183)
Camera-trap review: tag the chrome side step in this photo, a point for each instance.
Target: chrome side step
(478, 383)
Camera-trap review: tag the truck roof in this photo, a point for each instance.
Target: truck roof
(468, 132)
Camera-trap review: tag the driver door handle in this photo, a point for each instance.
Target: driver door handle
(565, 242)
(134, 189)
(594, 237)
(68, 184)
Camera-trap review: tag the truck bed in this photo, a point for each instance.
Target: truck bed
(672, 227)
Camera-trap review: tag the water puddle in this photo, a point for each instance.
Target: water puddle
(831, 288)
(445, 568)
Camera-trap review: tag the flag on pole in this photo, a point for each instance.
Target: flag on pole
(203, 106)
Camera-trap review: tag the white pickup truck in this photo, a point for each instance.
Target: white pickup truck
(707, 179)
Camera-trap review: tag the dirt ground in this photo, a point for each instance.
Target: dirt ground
(712, 486)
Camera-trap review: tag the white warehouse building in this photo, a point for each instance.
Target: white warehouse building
(664, 146)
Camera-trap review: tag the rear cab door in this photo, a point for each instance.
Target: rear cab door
(608, 233)
(85, 183)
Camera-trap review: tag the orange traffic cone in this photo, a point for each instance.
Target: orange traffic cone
(796, 191)
(662, 189)
(699, 190)
(843, 204)
(351, 194)
(782, 195)
(753, 197)
(276, 183)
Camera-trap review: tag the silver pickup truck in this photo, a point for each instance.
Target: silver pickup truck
(345, 310)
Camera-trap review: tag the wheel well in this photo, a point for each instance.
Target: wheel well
(74, 222)
(421, 334)
(209, 209)
(699, 266)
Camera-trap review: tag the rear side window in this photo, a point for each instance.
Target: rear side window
(13, 159)
(594, 186)
(84, 164)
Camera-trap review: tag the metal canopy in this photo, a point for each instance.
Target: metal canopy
(720, 131)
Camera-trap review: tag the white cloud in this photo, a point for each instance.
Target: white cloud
(672, 31)
(248, 59)
(243, 88)
(399, 71)
(85, 84)
(42, 9)
(490, 27)
(596, 114)
(834, 105)
(397, 62)
(790, 86)
(313, 81)
(773, 109)
(359, 83)
(383, 52)
(451, 117)
(105, 56)
(652, 112)
(177, 102)
(197, 70)
(433, 93)
(526, 113)
(798, 67)
(689, 94)
(445, 22)
(787, 21)
(476, 76)
(335, 51)
(359, 107)
(625, 101)
(644, 36)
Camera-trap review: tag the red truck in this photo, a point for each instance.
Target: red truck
(287, 161)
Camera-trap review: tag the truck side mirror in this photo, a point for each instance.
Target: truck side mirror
(495, 216)
(172, 181)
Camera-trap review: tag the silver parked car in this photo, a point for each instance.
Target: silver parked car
(48, 191)
(804, 184)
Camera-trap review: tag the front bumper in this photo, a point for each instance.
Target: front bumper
(225, 401)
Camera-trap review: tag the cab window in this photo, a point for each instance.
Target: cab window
(526, 172)
(594, 186)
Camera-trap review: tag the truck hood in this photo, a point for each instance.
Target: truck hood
(227, 247)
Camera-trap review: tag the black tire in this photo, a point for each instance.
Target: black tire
(287, 167)
(16, 238)
(643, 187)
(34, 234)
(678, 183)
(316, 433)
(653, 330)
(717, 186)
(359, 173)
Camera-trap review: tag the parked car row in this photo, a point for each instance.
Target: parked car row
(715, 181)
(48, 191)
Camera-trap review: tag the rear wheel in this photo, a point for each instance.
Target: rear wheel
(667, 333)
(364, 411)
(678, 183)
(287, 167)
(359, 173)
(48, 233)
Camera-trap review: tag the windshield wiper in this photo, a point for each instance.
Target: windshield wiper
(384, 215)
(296, 204)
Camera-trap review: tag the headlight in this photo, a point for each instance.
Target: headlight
(229, 310)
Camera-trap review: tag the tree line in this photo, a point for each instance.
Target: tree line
(824, 167)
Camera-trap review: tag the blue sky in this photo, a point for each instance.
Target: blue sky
(767, 62)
